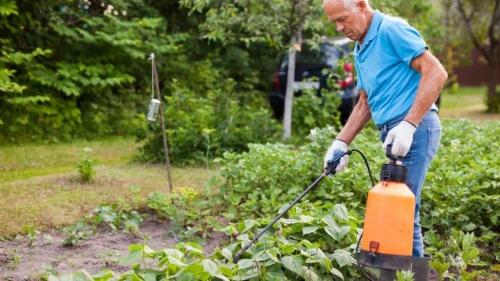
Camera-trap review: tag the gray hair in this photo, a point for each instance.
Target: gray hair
(351, 4)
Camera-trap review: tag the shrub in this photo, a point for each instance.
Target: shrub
(204, 126)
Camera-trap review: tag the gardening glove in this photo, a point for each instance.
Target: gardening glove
(337, 146)
(401, 138)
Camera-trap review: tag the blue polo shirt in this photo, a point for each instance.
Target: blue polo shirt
(383, 67)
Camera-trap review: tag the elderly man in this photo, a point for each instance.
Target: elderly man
(398, 80)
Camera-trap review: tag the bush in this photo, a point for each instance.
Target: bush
(313, 111)
(201, 127)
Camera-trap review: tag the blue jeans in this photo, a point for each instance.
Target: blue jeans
(423, 148)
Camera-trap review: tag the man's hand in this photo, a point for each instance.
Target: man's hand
(341, 146)
(401, 138)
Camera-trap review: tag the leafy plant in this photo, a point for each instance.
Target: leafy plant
(204, 126)
(32, 233)
(404, 276)
(314, 243)
(76, 233)
(179, 207)
(116, 218)
(86, 167)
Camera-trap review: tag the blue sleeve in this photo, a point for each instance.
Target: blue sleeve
(405, 40)
(359, 80)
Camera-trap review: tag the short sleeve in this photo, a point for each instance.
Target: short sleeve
(359, 80)
(406, 41)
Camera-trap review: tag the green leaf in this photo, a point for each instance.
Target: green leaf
(343, 258)
(336, 232)
(227, 254)
(309, 229)
(294, 264)
(245, 263)
(340, 212)
(210, 267)
(8, 7)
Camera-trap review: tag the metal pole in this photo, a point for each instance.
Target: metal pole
(162, 123)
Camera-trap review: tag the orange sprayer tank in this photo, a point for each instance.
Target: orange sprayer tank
(387, 240)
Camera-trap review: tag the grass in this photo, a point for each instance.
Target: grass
(466, 102)
(39, 185)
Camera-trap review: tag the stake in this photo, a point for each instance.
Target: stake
(162, 121)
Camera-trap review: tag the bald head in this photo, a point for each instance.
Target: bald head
(351, 17)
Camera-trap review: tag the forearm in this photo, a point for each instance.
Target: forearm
(431, 84)
(357, 120)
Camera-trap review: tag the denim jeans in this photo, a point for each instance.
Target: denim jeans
(423, 148)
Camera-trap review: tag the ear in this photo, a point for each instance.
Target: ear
(361, 4)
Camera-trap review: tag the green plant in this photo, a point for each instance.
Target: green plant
(313, 243)
(179, 207)
(116, 218)
(404, 276)
(204, 126)
(86, 167)
(76, 233)
(31, 232)
(458, 257)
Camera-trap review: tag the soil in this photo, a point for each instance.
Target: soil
(21, 261)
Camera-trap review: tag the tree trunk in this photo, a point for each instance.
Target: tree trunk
(290, 79)
(493, 100)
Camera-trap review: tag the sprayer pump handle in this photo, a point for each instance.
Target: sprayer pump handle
(388, 153)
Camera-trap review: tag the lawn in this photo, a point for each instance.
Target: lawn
(39, 185)
(467, 102)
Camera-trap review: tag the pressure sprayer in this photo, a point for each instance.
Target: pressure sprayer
(387, 238)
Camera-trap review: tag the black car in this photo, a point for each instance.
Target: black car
(310, 63)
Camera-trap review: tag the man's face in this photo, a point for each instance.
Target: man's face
(352, 23)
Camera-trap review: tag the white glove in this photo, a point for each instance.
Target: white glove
(337, 145)
(401, 138)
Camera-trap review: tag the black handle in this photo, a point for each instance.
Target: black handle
(388, 153)
(332, 164)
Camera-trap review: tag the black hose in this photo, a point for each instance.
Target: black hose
(356, 251)
(366, 163)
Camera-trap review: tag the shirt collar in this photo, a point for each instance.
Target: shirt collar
(372, 31)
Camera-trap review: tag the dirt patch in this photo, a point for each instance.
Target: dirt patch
(21, 261)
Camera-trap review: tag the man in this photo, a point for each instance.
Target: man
(398, 80)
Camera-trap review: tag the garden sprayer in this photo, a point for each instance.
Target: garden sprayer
(387, 238)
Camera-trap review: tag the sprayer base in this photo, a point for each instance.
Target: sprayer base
(385, 261)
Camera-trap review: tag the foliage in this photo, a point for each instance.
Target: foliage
(177, 206)
(311, 110)
(460, 190)
(454, 258)
(317, 239)
(86, 167)
(112, 216)
(404, 276)
(76, 233)
(312, 244)
(78, 68)
(117, 218)
(201, 127)
(257, 182)
(249, 21)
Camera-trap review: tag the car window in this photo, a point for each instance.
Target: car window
(327, 54)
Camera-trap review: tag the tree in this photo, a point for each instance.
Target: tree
(76, 68)
(482, 22)
(276, 23)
